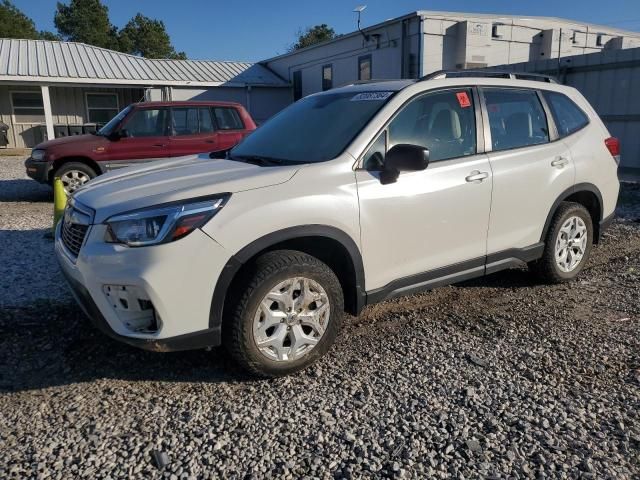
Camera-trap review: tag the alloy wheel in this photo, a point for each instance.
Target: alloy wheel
(291, 319)
(571, 244)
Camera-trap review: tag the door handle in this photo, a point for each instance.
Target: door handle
(210, 141)
(560, 162)
(159, 145)
(476, 176)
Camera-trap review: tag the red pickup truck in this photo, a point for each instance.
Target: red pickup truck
(141, 132)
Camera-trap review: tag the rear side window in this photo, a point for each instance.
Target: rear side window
(516, 118)
(228, 118)
(206, 122)
(568, 116)
(185, 121)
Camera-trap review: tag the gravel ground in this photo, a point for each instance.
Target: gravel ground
(28, 270)
(499, 377)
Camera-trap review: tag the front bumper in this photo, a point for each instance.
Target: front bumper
(38, 170)
(178, 278)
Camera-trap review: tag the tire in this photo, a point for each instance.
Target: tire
(549, 268)
(74, 175)
(245, 334)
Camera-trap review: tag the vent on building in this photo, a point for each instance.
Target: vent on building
(478, 58)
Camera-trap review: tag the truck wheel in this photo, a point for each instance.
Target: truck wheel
(74, 175)
(287, 316)
(567, 245)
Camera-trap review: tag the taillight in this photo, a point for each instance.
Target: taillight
(613, 144)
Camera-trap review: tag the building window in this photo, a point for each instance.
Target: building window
(327, 77)
(297, 85)
(364, 67)
(599, 42)
(27, 107)
(101, 107)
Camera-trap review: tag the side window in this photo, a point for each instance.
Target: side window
(443, 122)
(205, 120)
(568, 116)
(228, 118)
(516, 118)
(147, 123)
(185, 121)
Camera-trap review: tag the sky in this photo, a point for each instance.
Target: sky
(254, 30)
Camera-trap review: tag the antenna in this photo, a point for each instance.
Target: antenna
(359, 10)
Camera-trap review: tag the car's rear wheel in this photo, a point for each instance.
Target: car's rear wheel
(73, 175)
(567, 245)
(288, 315)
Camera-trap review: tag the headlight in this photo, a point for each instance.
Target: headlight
(37, 154)
(162, 224)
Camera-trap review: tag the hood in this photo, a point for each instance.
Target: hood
(70, 140)
(174, 180)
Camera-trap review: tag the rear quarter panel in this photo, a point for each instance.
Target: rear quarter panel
(593, 162)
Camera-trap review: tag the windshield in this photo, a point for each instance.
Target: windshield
(314, 129)
(109, 128)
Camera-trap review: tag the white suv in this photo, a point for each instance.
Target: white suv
(345, 198)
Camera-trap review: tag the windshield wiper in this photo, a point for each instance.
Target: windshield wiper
(260, 160)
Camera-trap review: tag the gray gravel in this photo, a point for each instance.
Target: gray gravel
(28, 271)
(499, 377)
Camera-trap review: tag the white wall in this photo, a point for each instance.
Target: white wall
(386, 59)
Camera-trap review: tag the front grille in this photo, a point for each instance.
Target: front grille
(73, 235)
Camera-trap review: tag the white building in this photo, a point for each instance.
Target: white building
(424, 41)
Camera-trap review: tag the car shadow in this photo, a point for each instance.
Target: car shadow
(47, 345)
(24, 190)
(511, 278)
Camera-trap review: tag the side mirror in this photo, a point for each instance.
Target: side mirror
(403, 158)
(118, 134)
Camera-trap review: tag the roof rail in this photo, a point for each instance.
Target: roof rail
(489, 74)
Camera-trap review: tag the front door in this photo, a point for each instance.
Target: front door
(145, 138)
(433, 223)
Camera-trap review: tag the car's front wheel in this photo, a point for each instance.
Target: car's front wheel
(73, 175)
(567, 245)
(287, 316)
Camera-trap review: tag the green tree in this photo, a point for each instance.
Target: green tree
(148, 38)
(86, 21)
(313, 35)
(46, 35)
(14, 23)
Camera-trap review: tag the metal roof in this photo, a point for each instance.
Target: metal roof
(70, 62)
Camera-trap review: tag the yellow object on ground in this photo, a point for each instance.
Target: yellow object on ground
(59, 201)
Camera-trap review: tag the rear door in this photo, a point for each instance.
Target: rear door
(146, 138)
(531, 167)
(192, 131)
(230, 127)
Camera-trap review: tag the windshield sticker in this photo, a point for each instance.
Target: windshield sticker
(376, 96)
(463, 99)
